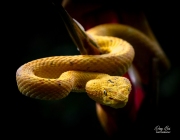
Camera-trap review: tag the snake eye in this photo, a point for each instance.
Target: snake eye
(105, 93)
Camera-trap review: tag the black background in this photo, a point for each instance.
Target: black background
(35, 30)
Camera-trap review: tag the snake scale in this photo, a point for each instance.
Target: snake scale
(101, 76)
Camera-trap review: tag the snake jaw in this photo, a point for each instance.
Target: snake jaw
(115, 98)
(114, 102)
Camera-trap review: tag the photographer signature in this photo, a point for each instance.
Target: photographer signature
(159, 129)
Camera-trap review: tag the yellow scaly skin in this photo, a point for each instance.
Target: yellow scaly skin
(55, 77)
(49, 79)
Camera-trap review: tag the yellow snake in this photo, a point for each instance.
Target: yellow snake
(100, 76)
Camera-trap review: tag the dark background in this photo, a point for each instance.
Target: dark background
(35, 30)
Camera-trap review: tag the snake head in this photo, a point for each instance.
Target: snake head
(111, 91)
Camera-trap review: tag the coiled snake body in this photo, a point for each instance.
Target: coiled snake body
(99, 75)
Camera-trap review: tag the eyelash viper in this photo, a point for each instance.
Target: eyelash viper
(101, 76)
